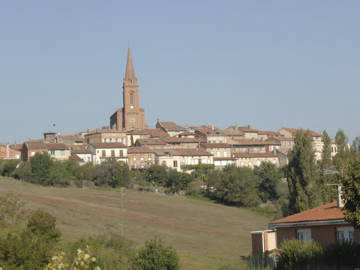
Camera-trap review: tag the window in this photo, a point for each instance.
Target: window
(121, 153)
(131, 98)
(112, 153)
(175, 163)
(304, 235)
(103, 153)
(345, 234)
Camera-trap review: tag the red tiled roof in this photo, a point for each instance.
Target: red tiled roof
(150, 141)
(171, 126)
(139, 150)
(253, 155)
(76, 158)
(108, 145)
(80, 149)
(152, 132)
(215, 145)
(255, 142)
(181, 140)
(187, 133)
(182, 152)
(56, 146)
(325, 212)
(35, 145)
(270, 133)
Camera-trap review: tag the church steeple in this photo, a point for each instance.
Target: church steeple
(130, 71)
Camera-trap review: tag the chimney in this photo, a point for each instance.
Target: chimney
(340, 200)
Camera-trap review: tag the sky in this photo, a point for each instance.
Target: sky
(268, 64)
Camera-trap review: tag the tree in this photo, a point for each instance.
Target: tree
(270, 177)
(178, 181)
(40, 168)
(237, 186)
(326, 151)
(156, 175)
(343, 157)
(301, 174)
(327, 193)
(112, 173)
(351, 192)
(32, 247)
(155, 256)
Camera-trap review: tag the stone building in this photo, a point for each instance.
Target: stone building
(140, 157)
(131, 115)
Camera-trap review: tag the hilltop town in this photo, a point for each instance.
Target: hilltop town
(128, 139)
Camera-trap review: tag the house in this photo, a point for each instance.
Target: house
(9, 151)
(255, 145)
(175, 142)
(211, 134)
(81, 154)
(136, 134)
(58, 151)
(171, 128)
(176, 158)
(324, 224)
(218, 150)
(267, 134)
(106, 136)
(152, 143)
(255, 159)
(140, 157)
(105, 151)
(30, 148)
(244, 131)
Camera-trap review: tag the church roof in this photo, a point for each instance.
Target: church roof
(130, 71)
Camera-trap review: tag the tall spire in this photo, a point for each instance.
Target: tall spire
(130, 71)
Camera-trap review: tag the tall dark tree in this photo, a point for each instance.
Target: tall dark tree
(301, 174)
(41, 164)
(342, 158)
(326, 151)
(326, 192)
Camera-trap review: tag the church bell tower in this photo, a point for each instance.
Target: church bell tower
(131, 116)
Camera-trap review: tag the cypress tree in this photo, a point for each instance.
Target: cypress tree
(301, 174)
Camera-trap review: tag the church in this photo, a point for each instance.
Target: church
(131, 116)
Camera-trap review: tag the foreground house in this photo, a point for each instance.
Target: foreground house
(324, 224)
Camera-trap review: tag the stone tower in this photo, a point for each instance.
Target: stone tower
(131, 116)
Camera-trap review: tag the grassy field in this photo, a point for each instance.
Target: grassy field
(205, 234)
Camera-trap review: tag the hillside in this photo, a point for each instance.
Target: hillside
(205, 234)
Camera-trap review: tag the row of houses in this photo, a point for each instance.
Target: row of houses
(169, 144)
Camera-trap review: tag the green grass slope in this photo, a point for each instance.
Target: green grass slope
(205, 234)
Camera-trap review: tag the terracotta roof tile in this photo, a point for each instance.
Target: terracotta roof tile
(171, 126)
(150, 141)
(56, 146)
(215, 145)
(325, 212)
(139, 150)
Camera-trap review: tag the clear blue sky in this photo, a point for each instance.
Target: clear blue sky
(269, 64)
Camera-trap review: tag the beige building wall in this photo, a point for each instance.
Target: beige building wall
(251, 162)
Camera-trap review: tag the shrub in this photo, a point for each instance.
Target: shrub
(112, 173)
(8, 167)
(155, 256)
(296, 255)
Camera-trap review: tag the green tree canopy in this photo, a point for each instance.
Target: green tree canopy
(301, 174)
(155, 256)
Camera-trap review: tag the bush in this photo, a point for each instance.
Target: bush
(155, 256)
(32, 247)
(8, 167)
(112, 251)
(298, 256)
